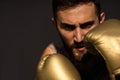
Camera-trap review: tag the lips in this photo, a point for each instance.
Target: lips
(81, 49)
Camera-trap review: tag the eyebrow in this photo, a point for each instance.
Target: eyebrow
(83, 24)
(66, 24)
(87, 23)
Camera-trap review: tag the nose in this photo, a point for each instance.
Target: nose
(78, 35)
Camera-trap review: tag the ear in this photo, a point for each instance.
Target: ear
(102, 17)
(53, 21)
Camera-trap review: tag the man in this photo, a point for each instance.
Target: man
(73, 19)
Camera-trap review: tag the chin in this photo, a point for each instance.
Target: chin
(79, 54)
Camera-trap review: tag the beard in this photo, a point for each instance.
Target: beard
(79, 50)
(78, 54)
(74, 49)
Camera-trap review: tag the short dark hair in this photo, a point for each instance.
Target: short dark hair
(64, 4)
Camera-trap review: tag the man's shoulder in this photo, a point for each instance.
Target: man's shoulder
(52, 48)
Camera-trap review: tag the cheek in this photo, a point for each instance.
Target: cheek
(67, 37)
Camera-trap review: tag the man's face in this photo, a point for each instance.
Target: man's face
(74, 23)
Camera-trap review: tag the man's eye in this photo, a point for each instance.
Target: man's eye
(87, 25)
(68, 27)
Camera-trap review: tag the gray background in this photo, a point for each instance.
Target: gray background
(25, 30)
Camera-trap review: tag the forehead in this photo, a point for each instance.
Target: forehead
(82, 12)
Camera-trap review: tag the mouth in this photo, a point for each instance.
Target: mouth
(79, 46)
(80, 49)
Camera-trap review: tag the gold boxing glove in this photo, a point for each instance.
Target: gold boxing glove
(56, 67)
(105, 38)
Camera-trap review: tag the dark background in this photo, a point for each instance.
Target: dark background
(25, 30)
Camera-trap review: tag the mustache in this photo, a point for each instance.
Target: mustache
(78, 44)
